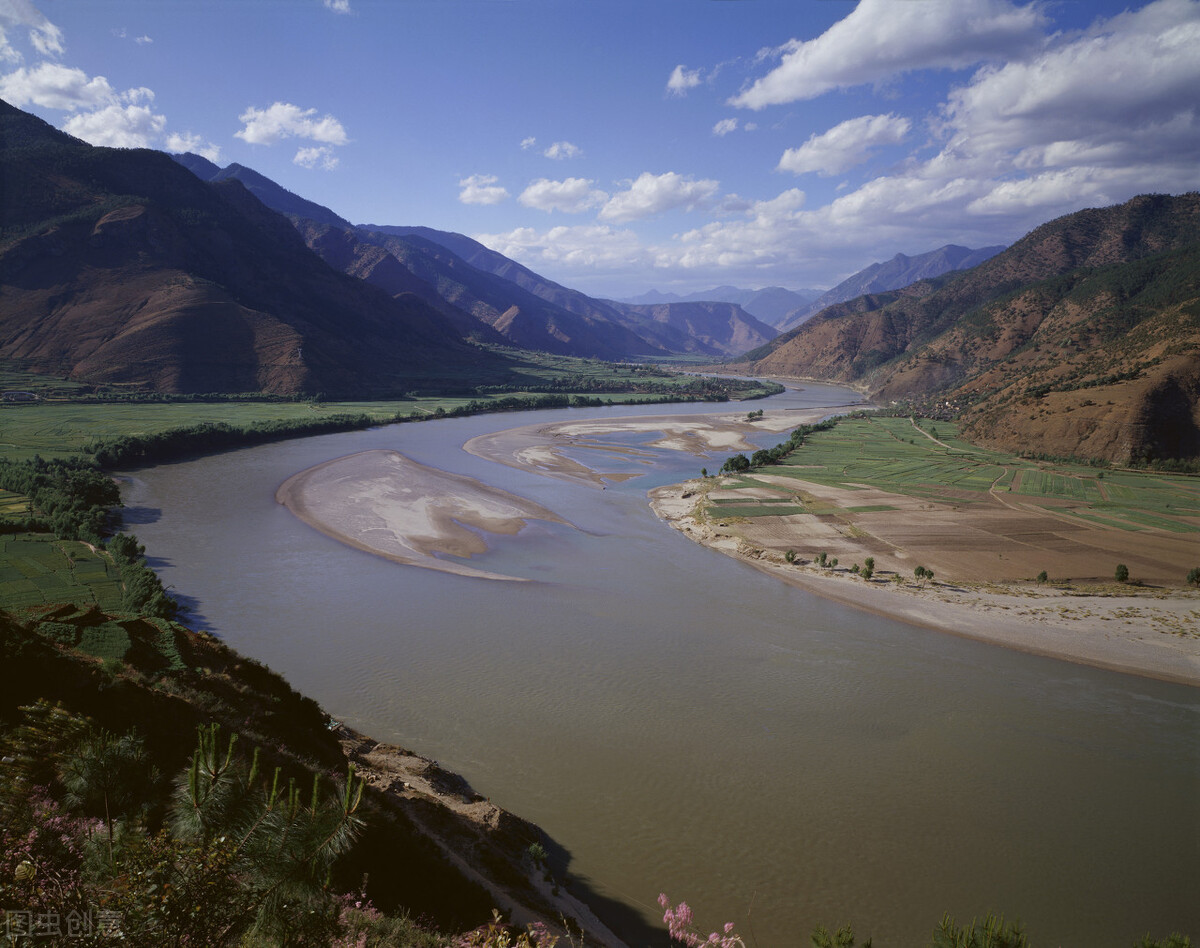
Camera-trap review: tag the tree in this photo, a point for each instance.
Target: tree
(109, 777)
(1042, 577)
(1193, 576)
(281, 847)
(1122, 573)
(868, 569)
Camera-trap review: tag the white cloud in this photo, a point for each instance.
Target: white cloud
(117, 126)
(880, 39)
(1111, 84)
(527, 143)
(653, 194)
(724, 127)
(577, 249)
(561, 150)
(310, 157)
(682, 79)
(283, 120)
(845, 145)
(181, 142)
(573, 196)
(54, 86)
(44, 36)
(143, 40)
(338, 6)
(481, 189)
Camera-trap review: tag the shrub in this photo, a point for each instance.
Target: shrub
(1122, 573)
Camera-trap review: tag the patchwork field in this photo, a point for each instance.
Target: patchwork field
(912, 494)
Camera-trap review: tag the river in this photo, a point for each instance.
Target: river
(679, 722)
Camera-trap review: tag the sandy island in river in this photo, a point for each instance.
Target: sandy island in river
(385, 503)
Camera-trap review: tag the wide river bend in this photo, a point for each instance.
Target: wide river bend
(679, 722)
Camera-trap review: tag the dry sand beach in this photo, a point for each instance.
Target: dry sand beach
(1153, 631)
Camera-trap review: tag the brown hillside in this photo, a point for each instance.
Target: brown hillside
(120, 266)
(1081, 339)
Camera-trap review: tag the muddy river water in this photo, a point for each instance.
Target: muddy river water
(680, 723)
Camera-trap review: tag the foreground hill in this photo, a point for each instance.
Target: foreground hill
(1082, 339)
(120, 266)
(898, 272)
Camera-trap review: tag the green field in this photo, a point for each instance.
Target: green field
(36, 569)
(892, 454)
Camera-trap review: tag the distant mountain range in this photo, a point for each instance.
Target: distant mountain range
(771, 304)
(125, 267)
(898, 272)
(1081, 339)
(486, 296)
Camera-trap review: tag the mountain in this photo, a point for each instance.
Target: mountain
(1081, 339)
(506, 310)
(120, 266)
(706, 328)
(490, 261)
(898, 272)
(771, 304)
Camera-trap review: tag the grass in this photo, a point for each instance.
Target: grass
(37, 569)
(892, 454)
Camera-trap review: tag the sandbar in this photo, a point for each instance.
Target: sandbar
(390, 505)
(542, 447)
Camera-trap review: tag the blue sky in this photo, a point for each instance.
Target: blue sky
(619, 145)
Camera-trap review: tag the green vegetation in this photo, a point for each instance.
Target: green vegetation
(140, 427)
(898, 455)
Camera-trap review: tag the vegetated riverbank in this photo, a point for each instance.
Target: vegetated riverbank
(931, 531)
(776, 520)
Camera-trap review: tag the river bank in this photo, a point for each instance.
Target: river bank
(1150, 632)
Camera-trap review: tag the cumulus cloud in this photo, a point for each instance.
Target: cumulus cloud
(143, 40)
(181, 142)
(845, 145)
(54, 86)
(527, 143)
(880, 39)
(578, 249)
(682, 79)
(573, 196)
(1111, 85)
(117, 126)
(481, 189)
(338, 6)
(652, 194)
(283, 120)
(724, 127)
(561, 150)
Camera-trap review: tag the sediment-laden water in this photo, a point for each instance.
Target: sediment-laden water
(679, 722)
